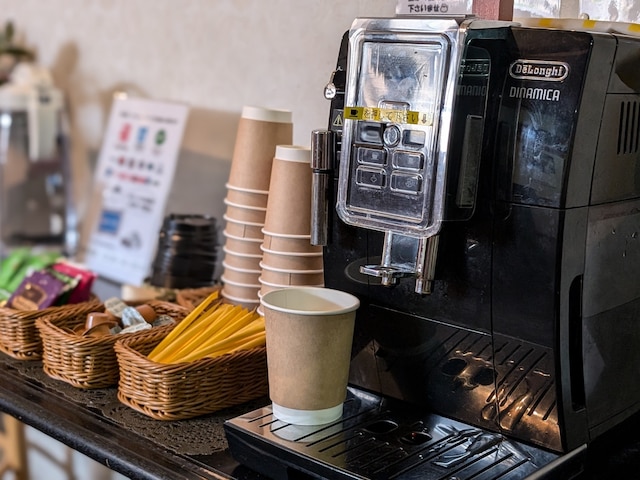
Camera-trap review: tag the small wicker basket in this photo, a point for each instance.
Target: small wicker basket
(187, 390)
(19, 336)
(190, 298)
(89, 362)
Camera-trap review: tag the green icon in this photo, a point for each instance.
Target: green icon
(161, 136)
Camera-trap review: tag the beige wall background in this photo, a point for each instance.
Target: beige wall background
(214, 55)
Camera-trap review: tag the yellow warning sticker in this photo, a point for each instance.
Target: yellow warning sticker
(373, 114)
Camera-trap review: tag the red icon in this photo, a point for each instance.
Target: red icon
(124, 132)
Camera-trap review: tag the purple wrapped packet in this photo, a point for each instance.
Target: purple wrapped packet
(37, 291)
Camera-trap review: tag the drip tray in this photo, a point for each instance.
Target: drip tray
(376, 439)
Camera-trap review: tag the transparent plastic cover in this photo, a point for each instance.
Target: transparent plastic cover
(397, 111)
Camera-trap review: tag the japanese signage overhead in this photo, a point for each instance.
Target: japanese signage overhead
(434, 7)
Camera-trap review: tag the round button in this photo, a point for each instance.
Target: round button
(391, 136)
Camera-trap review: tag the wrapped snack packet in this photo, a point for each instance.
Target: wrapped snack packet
(37, 291)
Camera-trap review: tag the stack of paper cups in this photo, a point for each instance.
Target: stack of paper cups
(259, 132)
(288, 258)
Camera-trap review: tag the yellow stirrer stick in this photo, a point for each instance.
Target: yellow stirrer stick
(184, 324)
(255, 326)
(199, 333)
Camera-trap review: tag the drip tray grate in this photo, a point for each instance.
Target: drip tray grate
(376, 439)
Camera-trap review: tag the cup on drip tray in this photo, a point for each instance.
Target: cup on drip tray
(309, 333)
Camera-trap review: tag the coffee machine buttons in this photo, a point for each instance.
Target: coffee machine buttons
(414, 138)
(372, 178)
(405, 183)
(391, 136)
(371, 156)
(370, 132)
(408, 160)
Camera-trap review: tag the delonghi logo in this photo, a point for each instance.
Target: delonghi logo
(539, 70)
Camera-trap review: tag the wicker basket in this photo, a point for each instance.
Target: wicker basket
(190, 298)
(19, 336)
(191, 389)
(89, 362)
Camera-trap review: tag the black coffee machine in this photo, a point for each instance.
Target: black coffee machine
(478, 189)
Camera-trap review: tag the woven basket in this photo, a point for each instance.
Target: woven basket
(19, 336)
(191, 389)
(190, 298)
(89, 362)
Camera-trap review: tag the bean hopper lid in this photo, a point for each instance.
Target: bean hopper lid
(397, 117)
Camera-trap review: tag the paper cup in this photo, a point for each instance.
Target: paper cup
(244, 213)
(241, 293)
(248, 303)
(289, 203)
(281, 276)
(292, 260)
(288, 243)
(241, 229)
(241, 260)
(309, 334)
(247, 246)
(260, 130)
(241, 276)
(267, 286)
(248, 198)
(229, 186)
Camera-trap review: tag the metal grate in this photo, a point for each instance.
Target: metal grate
(629, 128)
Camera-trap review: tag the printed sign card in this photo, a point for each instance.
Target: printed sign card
(133, 178)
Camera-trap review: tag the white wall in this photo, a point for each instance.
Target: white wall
(214, 55)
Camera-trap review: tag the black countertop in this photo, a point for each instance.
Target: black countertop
(96, 424)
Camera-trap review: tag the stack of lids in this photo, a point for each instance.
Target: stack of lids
(186, 252)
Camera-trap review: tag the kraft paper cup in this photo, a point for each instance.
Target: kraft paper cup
(247, 246)
(260, 130)
(247, 197)
(245, 213)
(241, 260)
(242, 276)
(282, 276)
(229, 186)
(267, 286)
(288, 243)
(292, 260)
(309, 334)
(237, 291)
(249, 303)
(289, 203)
(238, 228)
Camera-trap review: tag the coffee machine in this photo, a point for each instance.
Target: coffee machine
(478, 188)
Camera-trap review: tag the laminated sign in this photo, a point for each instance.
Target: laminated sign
(132, 182)
(433, 7)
